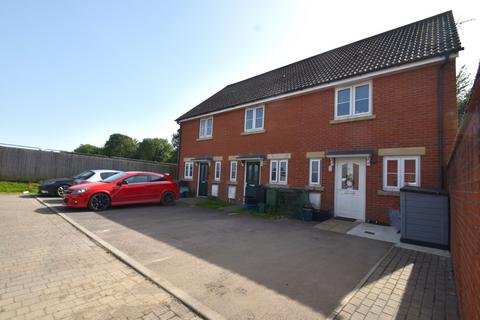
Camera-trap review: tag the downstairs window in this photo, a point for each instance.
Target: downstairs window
(400, 171)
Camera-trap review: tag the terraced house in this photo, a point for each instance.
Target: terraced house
(351, 125)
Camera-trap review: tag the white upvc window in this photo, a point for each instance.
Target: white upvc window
(278, 171)
(233, 171)
(353, 101)
(400, 171)
(315, 172)
(254, 118)
(206, 128)
(188, 173)
(218, 170)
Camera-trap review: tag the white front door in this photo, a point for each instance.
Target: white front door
(350, 188)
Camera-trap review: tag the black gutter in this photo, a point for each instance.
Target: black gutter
(441, 142)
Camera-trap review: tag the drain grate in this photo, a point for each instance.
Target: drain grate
(369, 232)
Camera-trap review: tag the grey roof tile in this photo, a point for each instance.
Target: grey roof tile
(424, 39)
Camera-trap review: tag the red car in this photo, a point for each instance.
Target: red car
(123, 188)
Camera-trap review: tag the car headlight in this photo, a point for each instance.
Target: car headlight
(78, 191)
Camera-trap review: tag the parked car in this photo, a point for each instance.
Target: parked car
(56, 187)
(123, 188)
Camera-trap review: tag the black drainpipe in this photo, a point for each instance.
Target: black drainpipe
(441, 143)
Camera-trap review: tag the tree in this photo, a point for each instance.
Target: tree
(155, 149)
(88, 148)
(176, 145)
(463, 92)
(119, 145)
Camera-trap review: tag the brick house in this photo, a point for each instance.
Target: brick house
(351, 125)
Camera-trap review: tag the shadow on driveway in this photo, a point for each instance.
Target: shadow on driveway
(240, 266)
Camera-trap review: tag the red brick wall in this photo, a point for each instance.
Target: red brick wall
(463, 181)
(405, 105)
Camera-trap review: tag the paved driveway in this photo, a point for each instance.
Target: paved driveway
(49, 270)
(242, 267)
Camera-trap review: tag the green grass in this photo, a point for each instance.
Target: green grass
(212, 203)
(18, 187)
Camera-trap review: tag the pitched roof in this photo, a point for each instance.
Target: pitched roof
(424, 39)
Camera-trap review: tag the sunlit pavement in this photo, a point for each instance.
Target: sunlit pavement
(49, 270)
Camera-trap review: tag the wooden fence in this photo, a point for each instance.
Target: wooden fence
(30, 164)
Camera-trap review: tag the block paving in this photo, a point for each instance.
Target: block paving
(50, 270)
(406, 285)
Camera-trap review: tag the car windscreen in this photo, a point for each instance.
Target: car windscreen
(84, 175)
(116, 176)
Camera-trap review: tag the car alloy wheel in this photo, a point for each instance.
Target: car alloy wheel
(61, 190)
(168, 199)
(99, 202)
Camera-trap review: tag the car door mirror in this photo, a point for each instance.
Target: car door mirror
(121, 183)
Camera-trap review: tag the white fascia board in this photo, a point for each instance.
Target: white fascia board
(363, 77)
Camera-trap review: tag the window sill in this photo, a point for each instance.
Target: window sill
(277, 185)
(388, 193)
(353, 119)
(246, 133)
(234, 183)
(205, 138)
(216, 181)
(188, 179)
(314, 188)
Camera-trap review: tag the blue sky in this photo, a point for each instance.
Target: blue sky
(74, 72)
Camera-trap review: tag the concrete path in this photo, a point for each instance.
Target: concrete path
(337, 225)
(241, 267)
(49, 270)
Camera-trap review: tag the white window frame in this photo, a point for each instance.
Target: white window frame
(319, 172)
(273, 162)
(233, 164)
(277, 176)
(204, 122)
(219, 165)
(254, 128)
(401, 172)
(188, 174)
(352, 113)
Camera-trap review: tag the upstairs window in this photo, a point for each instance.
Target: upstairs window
(206, 127)
(218, 170)
(233, 171)
(254, 118)
(188, 173)
(353, 101)
(278, 171)
(400, 171)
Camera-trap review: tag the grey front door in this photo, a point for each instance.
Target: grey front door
(203, 180)
(252, 178)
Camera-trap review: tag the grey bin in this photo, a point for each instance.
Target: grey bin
(424, 216)
(395, 219)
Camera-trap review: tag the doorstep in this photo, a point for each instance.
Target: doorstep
(337, 225)
(376, 232)
(390, 234)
